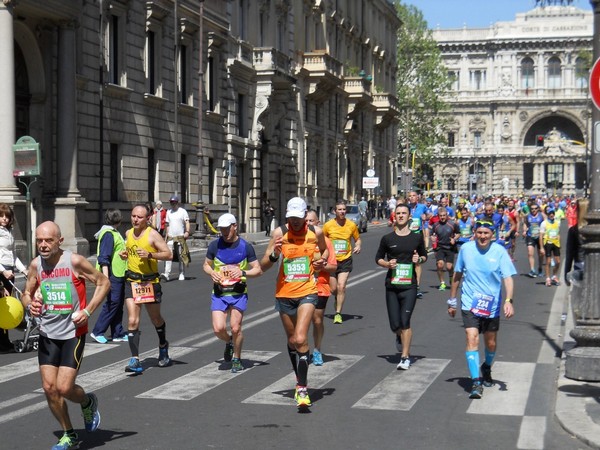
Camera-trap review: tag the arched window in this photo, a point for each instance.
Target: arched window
(554, 76)
(527, 73)
(581, 73)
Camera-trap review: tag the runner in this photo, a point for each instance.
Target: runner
(400, 252)
(296, 290)
(145, 246)
(57, 280)
(466, 225)
(486, 267)
(446, 234)
(418, 217)
(227, 259)
(550, 246)
(531, 229)
(324, 291)
(341, 231)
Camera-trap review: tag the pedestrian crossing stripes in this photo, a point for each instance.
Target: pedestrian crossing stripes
(509, 396)
(282, 391)
(400, 390)
(204, 379)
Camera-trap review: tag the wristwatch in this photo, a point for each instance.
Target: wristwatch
(243, 274)
(508, 300)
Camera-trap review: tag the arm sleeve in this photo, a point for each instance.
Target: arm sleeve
(107, 244)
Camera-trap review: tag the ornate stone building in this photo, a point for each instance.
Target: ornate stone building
(297, 98)
(520, 105)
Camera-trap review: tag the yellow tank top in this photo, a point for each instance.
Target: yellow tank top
(296, 277)
(552, 233)
(136, 264)
(340, 237)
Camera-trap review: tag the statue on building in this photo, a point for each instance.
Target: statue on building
(505, 185)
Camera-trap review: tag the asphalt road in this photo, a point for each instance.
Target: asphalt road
(360, 400)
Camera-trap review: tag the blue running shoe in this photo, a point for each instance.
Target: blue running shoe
(91, 416)
(476, 390)
(532, 274)
(134, 366)
(236, 365)
(317, 358)
(163, 356)
(67, 442)
(100, 339)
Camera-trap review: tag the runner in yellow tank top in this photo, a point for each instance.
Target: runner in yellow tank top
(341, 231)
(550, 246)
(144, 246)
(296, 292)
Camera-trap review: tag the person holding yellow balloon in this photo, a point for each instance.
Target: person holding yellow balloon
(55, 291)
(8, 264)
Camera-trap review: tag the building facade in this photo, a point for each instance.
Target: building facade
(520, 106)
(296, 98)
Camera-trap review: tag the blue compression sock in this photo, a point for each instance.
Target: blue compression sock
(473, 363)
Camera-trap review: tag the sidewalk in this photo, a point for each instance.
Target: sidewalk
(577, 406)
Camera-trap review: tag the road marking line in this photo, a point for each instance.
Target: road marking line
(510, 394)
(204, 379)
(400, 390)
(30, 365)
(532, 432)
(282, 391)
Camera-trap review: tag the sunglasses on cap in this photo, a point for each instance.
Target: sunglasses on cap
(485, 224)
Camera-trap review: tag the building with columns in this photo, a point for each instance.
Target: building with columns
(297, 98)
(520, 107)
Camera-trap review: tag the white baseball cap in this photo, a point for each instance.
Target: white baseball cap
(226, 220)
(296, 207)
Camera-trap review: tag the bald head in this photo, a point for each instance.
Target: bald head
(48, 240)
(48, 227)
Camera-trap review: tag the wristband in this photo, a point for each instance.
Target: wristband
(451, 302)
(87, 313)
(243, 274)
(508, 300)
(273, 258)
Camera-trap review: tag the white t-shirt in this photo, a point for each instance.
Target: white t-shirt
(176, 221)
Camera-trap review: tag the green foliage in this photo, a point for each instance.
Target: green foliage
(422, 84)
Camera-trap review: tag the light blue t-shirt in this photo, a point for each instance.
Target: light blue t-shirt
(483, 273)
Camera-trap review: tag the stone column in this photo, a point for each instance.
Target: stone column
(583, 361)
(8, 189)
(69, 205)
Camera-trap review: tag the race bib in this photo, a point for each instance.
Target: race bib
(296, 269)
(415, 224)
(535, 230)
(143, 292)
(340, 246)
(482, 305)
(553, 233)
(402, 274)
(57, 297)
(466, 231)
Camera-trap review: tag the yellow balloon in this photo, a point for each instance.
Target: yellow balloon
(11, 313)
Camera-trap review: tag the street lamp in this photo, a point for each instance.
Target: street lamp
(583, 361)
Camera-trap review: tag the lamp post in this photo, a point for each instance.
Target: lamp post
(583, 361)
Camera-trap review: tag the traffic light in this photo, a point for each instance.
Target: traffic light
(539, 140)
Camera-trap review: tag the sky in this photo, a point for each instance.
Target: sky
(475, 13)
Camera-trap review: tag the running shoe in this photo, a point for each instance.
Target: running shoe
(134, 366)
(301, 396)
(164, 276)
(548, 282)
(181, 277)
(532, 274)
(486, 373)
(419, 294)
(540, 273)
(100, 339)
(442, 286)
(317, 358)
(337, 318)
(163, 356)
(236, 365)
(123, 338)
(404, 363)
(555, 281)
(476, 390)
(91, 416)
(228, 353)
(67, 442)
(399, 344)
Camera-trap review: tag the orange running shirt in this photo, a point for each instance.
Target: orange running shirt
(296, 278)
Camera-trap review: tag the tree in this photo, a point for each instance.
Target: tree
(422, 84)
